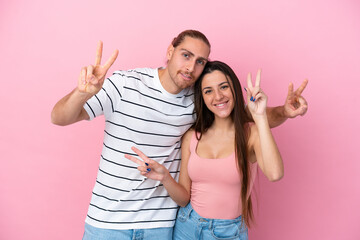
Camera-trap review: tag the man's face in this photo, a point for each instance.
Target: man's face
(187, 61)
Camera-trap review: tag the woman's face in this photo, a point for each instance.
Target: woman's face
(217, 94)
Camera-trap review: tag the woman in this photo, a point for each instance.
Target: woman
(219, 156)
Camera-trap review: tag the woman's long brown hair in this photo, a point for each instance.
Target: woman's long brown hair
(205, 119)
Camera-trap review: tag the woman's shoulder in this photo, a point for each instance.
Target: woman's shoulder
(253, 137)
(186, 138)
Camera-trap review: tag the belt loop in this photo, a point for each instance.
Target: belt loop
(188, 210)
(210, 224)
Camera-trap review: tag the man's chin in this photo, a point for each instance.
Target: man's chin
(185, 85)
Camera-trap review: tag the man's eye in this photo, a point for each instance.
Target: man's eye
(186, 55)
(201, 62)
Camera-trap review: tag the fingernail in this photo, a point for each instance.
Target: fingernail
(245, 89)
(254, 99)
(146, 164)
(149, 169)
(251, 98)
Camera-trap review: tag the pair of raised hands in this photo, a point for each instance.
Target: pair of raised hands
(295, 104)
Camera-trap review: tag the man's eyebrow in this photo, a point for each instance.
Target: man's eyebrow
(202, 58)
(192, 54)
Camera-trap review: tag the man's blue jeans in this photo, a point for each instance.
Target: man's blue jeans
(93, 233)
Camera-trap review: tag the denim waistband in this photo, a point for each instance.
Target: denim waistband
(189, 212)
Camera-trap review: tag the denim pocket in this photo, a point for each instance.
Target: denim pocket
(228, 232)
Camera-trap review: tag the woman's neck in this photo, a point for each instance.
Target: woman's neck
(222, 126)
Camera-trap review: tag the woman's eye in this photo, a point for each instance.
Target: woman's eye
(207, 91)
(224, 87)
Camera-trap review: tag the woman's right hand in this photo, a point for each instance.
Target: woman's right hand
(148, 167)
(92, 77)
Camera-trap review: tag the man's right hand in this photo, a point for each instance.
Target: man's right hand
(92, 77)
(69, 109)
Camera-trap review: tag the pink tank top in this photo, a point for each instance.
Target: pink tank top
(216, 185)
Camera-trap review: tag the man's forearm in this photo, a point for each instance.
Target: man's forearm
(276, 116)
(70, 109)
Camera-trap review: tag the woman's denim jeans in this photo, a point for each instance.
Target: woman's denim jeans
(190, 225)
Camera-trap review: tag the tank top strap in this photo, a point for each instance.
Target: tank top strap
(194, 142)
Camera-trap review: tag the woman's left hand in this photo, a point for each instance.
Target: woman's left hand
(256, 98)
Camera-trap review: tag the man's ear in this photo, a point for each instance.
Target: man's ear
(169, 52)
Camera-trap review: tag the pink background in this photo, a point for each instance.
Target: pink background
(47, 172)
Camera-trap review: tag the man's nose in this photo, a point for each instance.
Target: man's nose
(190, 66)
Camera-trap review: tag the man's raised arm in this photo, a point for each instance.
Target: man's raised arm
(70, 108)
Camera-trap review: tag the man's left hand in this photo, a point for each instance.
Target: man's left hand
(295, 104)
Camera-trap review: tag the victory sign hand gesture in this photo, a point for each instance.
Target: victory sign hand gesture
(295, 104)
(256, 98)
(92, 77)
(148, 167)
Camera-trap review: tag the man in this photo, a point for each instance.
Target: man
(150, 109)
